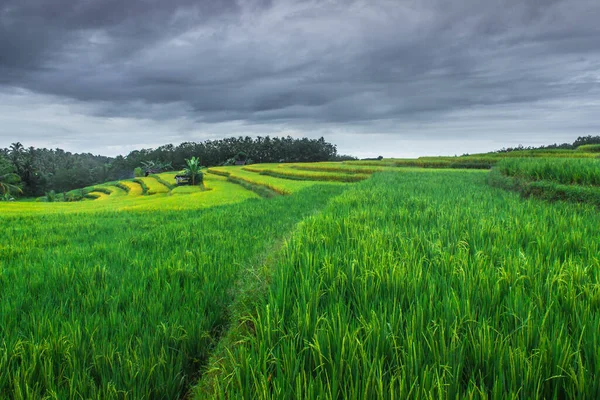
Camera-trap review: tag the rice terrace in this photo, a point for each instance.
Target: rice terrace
(439, 277)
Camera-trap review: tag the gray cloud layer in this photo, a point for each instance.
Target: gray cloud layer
(378, 66)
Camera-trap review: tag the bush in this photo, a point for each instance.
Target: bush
(51, 196)
(138, 172)
(343, 157)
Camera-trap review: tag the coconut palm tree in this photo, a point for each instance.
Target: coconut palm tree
(9, 183)
(193, 170)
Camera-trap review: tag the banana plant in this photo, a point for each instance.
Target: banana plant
(193, 170)
(9, 184)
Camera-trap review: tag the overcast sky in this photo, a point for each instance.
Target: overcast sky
(375, 77)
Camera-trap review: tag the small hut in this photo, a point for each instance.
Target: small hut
(182, 180)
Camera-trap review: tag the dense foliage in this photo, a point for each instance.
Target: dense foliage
(9, 181)
(216, 152)
(42, 170)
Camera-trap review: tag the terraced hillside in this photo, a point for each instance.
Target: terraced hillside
(124, 293)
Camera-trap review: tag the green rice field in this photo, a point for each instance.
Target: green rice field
(360, 279)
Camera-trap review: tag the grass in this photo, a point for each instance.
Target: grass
(133, 188)
(217, 192)
(154, 185)
(281, 186)
(414, 283)
(117, 190)
(287, 171)
(563, 171)
(165, 183)
(589, 148)
(340, 167)
(142, 184)
(420, 285)
(478, 161)
(550, 179)
(118, 304)
(186, 190)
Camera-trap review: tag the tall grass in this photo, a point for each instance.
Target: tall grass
(575, 180)
(564, 171)
(426, 285)
(126, 304)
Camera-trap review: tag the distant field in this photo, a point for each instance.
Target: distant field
(218, 192)
(478, 161)
(292, 171)
(281, 186)
(362, 279)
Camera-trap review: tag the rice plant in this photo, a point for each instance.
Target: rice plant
(120, 303)
(424, 285)
(564, 171)
(414, 283)
(281, 186)
(550, 179)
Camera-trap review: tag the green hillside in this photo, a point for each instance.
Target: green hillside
(358, 279)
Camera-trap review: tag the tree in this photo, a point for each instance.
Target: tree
(589, 139)
(42, 170)
(9, 181)
(138, 172)
(193, 170)
(241, 156)
(15, 152)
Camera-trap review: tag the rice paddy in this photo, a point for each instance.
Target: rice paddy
(366, 279)
(293, 172)
(550, 178)
(567, 172)
(123, 302)
(420, 285)
(253, 176)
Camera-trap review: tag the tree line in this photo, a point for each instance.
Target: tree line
(580, 141)
(41, 170)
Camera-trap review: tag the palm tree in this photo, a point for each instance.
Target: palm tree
(193, 170)
(9, 183)
(15, 153)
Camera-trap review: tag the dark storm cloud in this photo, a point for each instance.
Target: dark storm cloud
(302, 62)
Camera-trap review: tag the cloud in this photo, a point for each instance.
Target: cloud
(379, 67)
